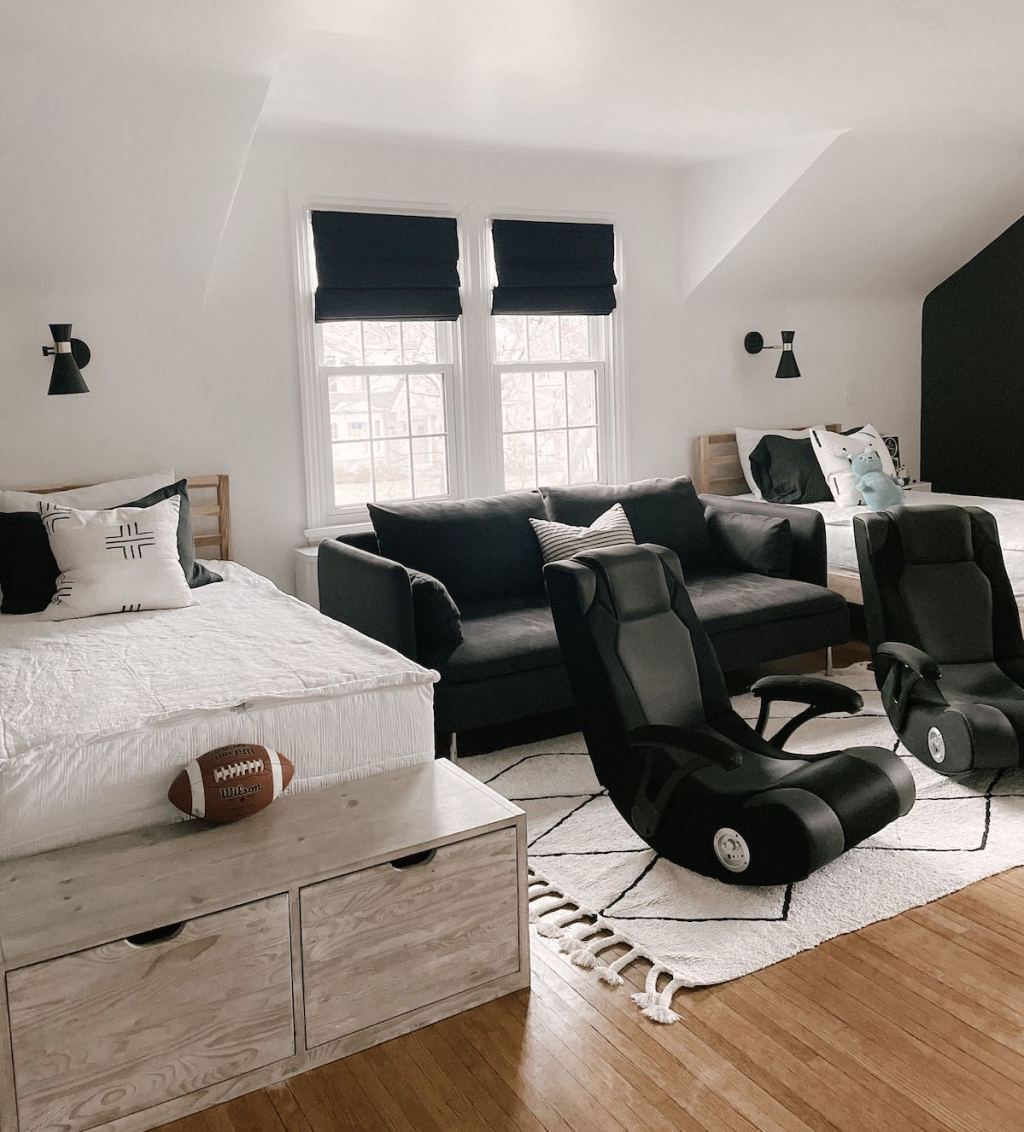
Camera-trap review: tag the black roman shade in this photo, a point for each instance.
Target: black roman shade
(383, 266)
(547, 267)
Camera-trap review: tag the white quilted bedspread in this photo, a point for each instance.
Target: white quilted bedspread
(241, 644)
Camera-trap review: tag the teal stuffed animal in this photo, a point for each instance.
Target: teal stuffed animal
(878, 490)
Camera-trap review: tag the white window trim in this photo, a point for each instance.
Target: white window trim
(475, 465)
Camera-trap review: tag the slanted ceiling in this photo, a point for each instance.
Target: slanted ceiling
(864, 149)
(124, 130)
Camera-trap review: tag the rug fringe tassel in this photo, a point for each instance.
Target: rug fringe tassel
(582, 935)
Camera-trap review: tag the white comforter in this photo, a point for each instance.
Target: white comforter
(242, 642)
(98, 715)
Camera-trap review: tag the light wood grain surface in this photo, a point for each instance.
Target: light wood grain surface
(118, 1028)
(111, 888)
(129, 1033)
(912, 1023)
(384, 940)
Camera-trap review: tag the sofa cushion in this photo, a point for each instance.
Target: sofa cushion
(726, 600)
(666, 512)
(481, 549)
(499, 638)
(761, 544)
(436, 617)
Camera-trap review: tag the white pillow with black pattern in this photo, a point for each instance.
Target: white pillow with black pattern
(118, 561)
(834, 449)
(560, 540)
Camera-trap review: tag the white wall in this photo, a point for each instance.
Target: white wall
(204, 374)
(860, 361)
(215, 387)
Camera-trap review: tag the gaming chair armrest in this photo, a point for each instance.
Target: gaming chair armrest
(819, 694)
(816, 691)
(920, 663)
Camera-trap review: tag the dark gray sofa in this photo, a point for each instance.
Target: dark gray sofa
(507, 665)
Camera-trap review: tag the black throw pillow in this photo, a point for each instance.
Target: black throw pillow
(787, 471)
(666, 512)
(437, 619)
(753, 543)
(28, 570)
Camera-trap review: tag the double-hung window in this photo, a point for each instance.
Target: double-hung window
(398, 404)
(551, 372)
(379, 418)
(387, 395)
(550, 307)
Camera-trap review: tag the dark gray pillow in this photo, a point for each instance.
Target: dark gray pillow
(666, 512)
(753, 543)
(437, 619)
(195, 573)
(787, 471)
(481, 549)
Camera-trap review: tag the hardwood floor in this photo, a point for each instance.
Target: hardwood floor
(911, 1023)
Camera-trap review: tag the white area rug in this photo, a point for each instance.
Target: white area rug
(593, 875)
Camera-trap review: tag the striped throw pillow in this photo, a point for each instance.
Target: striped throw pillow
(559, 540)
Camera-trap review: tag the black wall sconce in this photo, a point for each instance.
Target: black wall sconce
(754, 344)
(70, 357)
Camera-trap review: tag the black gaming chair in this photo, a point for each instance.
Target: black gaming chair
(696, 782)
(945, 634)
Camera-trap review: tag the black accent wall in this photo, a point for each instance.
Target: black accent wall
(972, 374)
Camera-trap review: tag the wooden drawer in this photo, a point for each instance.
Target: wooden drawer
(115, 1029)
(386, 940)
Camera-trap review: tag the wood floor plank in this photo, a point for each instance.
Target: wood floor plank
(911, 1023)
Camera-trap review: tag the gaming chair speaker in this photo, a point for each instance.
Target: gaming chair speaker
(696, 782)
(945, 634)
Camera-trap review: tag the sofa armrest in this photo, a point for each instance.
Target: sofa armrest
(807, 525)
(369, 593)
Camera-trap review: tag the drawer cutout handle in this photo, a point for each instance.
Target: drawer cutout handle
(414, 859)
(156, 935)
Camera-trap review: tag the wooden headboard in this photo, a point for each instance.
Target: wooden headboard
(718, 463)
(210, 499)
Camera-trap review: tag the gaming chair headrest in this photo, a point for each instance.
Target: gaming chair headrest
(934, 533)
(634, 579)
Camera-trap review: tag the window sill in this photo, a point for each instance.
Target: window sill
(316, 535)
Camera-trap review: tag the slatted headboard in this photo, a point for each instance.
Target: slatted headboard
(211, 513)
(718, 463)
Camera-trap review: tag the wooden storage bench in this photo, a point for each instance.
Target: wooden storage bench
(154, 974)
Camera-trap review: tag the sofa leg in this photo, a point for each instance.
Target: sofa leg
(444, 745)
(828, 660)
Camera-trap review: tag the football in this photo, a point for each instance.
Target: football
(231, 782)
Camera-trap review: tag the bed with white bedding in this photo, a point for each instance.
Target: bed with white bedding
(720, 471)
(98, 714)
(1008, 513)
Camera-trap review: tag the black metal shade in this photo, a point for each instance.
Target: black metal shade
(70, 355)
(787, 360)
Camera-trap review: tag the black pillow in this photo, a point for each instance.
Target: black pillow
(437, 619)
(481, 549)
(28, 570)
(666, 512)
(787, 471)
(755, 543)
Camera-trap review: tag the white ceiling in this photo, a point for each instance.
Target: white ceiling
(672, 80)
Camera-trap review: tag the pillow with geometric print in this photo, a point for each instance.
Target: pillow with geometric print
(117, 561)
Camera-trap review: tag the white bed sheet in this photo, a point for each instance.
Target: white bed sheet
(1008, 514)
(98, 714)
